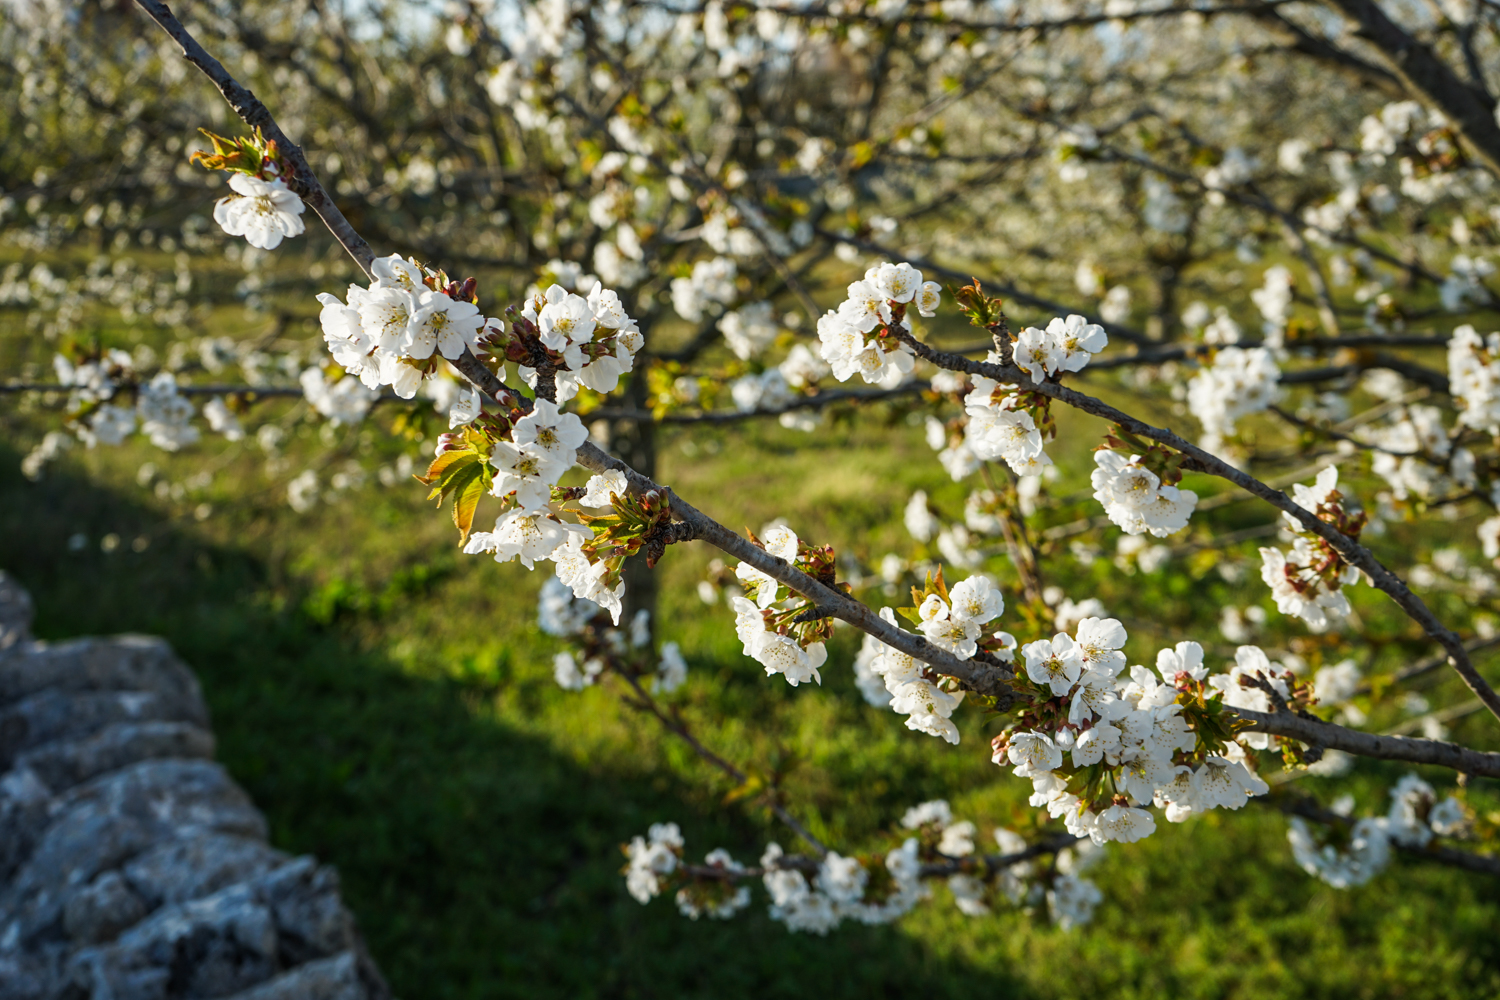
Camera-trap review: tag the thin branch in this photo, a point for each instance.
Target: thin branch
(643, 701)
(1352, 552)
(255, 114)
(1317, 733)
(984, 678)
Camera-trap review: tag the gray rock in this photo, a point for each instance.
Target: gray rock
(25, 810)
(180, 870)
(336, 978)
(102, 909)
(132, 867)
(16, 613)
(208, 947)
(62, 764)
(311, 921)
(104, 822)
(119, 663)
(50, 716)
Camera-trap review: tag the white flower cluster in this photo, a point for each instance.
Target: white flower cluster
(1135, 499)
(559, 613)
(817, 898)
(837, 892)
(711, 285)
(878, 301)
(1474, 378)
(1065, 345)
(777, 651)
(595, 336)
(541, 450)
(1070, 897)
(750, 329)
(725, 905)
(1413, 434)
(997, 430)
(386, 333)
(1235, 169)
(263, 211)
(1132, 724)
(1365, 854)
(1465, 283)
(92, 383)
(1164, 211)
(166, 416)
(343, 402)
(1240, 381)
(652, 858)
(1414, 818)
(957, 627)
(1301, 583)
(766, 391)
(1252, 664)
(1274, 300)
(1379, 135)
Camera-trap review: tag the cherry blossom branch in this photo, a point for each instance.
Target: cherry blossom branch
(255, 114)
(824, 13)
(1352, 552)
(1423, 73)
(1161, 355)
(817, 402)
(1317, 733)
(991, 863)
(1301, 805)
(984, 678)
(1431, 663)
(643, 701)
(1006, 289)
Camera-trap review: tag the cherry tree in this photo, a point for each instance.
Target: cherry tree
(1025, 197)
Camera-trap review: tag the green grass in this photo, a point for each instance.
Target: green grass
(389, 704)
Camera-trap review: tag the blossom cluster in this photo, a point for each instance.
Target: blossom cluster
(816, 896)
(1308, 581)
(764, 624)
(563, 614)
(1101, 745)
(591, 341)
(863, 335)
(526, 469)
(957, 625)
(841, 889)
(1415, 816)
(1413, 451)
(1002, 426)
(1065, 345)
(710, 285)
(387, 332)
(1474, 378)
(1135, 498)
(1239, 382)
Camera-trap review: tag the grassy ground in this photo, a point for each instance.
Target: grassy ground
(389, 704)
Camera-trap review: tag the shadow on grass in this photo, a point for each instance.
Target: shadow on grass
(479, 860)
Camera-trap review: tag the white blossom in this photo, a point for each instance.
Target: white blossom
(1240, 381)
(263, 211)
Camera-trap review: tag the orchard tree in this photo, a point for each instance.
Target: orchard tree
(1018, 201)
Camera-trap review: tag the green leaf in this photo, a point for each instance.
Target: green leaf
(466, 494)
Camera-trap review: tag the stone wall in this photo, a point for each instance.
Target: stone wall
(132, 867)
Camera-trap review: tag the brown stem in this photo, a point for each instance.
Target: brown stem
(254, 114)
(1351, 551)
(674, 725)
